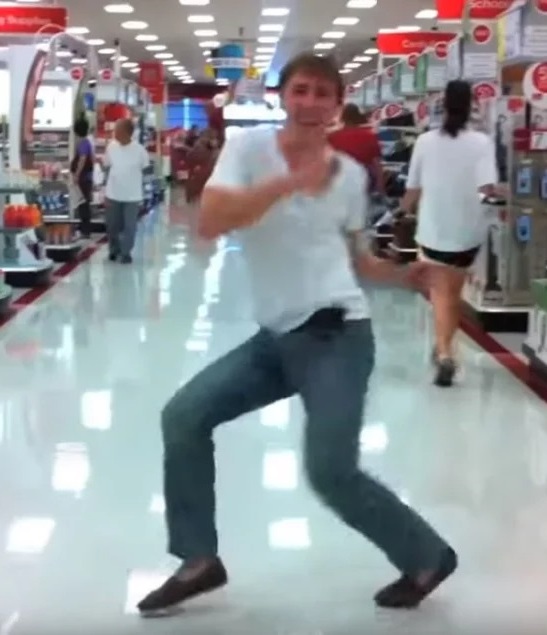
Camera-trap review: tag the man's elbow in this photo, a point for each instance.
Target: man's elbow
(207, 228)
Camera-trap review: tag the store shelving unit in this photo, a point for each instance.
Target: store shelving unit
(62, 242)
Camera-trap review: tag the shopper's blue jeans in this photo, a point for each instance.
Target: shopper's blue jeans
(330, 372)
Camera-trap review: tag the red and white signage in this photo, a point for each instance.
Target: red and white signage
(412, 60)
(441, 50)
(152, 77)
(453, 10)
(534, 85)
(29, 20)
(482, 33)
(399, 44)
(106, 75)
(485, 90)
(390, 111)
(541, 6)
(77, 73)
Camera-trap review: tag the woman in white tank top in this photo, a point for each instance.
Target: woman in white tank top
(450, 167)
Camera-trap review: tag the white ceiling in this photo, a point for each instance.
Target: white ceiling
(235, 19)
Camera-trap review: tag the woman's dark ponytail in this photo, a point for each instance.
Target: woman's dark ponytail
(457, 106)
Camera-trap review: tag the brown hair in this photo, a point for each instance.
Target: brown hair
(311, 64)
(352, 116)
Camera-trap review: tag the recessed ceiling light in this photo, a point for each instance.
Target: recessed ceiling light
(135, 70)
(387, 30)
(265, 49)
(372, 51)
(362, 58)
(108, 51)
(426, 14)
(344, 71)
(207, 53)
(178, 67)
(119, 58)
(134, 25)
(77, 30)
(189, 81)
(346, 21)
(325, 45)
(129, 65)
(268, 39)
(352, 65)
(170, 62)
(78, 60)
(206, 33)
(96, 42)
(194, 3)
(119, 8)
(263, 58)
(201, 19)
(271, 28)
(64, 53)
(147, 37)
(275, 12)
(362, 4)
(156, 47)
(209, 45)
(409, 28)
(164, 56)
(333, 35)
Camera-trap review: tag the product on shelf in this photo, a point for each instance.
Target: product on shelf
(22, 216)
(17, 180)
(59, 234)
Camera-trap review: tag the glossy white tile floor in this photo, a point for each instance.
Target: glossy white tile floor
(83, 375)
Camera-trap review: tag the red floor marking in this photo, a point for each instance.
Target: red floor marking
(64, 270)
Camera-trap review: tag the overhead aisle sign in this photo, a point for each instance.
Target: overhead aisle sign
(455, 10)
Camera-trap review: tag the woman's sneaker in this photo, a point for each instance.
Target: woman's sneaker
(446, 371)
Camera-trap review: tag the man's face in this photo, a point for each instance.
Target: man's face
(310, 101)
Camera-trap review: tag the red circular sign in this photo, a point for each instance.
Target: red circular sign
(539, 78)
(107, 75)
(515, 104)
(77, 73)
(441, 50)
(485, 90)
(422, 111)
(376, 115)
(392, 110)
(482, 33)
(541, 6)
(412, 60)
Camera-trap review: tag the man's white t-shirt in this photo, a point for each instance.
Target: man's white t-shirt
(449, 172)
(297, 252)
(126, 164)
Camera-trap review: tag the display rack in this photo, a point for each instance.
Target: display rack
(62, 241)
(535, 345)
(22, 253)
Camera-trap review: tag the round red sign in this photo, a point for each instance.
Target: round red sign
(441, 50)
(485, 90)
(107, 75)
(412, 60)
(392, 110)
(77, 73)
(422, 111)
(541, 6)
(539, 78)
(482, 33)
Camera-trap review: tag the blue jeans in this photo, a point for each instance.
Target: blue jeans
(330, 373)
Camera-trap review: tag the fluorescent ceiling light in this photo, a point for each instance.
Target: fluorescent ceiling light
(344, 71)
(78, 60)
(64, 53)
(426, 14)
(107, 51)
(372, 51)
(265, 49)
(129, 65)
(333, 35)
(408, 28)
(271, 28)
(119, 8)
(135, 70)
(387, 30)
(96, 42)
(201, 19)
(209, 45)
(164, 56)
(274, 12)
(194, 3)
(268, 39)
(170, 62)
(207, 53)
(352, 65)
(189, 81)
(156, 47)
(119, 58)
(263, 58)
(134, 25)
(362, 58)
(147, 37)
(206, 33)
(346, 21)
(77, 30)
(176, 68)
(325, 45)
(362, 4)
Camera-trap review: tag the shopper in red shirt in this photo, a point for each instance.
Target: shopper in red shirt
(361, 143)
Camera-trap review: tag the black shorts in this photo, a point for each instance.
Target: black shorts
(457, 259)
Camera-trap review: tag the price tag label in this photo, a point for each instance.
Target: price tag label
(538, 140)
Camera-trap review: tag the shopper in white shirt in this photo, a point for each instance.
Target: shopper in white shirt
(449, 169)
(300, 211)
(125, 160)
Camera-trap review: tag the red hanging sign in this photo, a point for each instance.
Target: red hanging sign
(453, 10)
(152, 77)
(402, 44)
(29, 20)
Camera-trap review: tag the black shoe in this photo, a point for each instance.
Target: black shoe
(113, 257)
(126, 260)
(446, 370)
(190, 581)
(405, 593)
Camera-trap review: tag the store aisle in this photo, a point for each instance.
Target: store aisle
(83, 375)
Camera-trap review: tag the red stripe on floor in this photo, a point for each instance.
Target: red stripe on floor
(64, 270)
